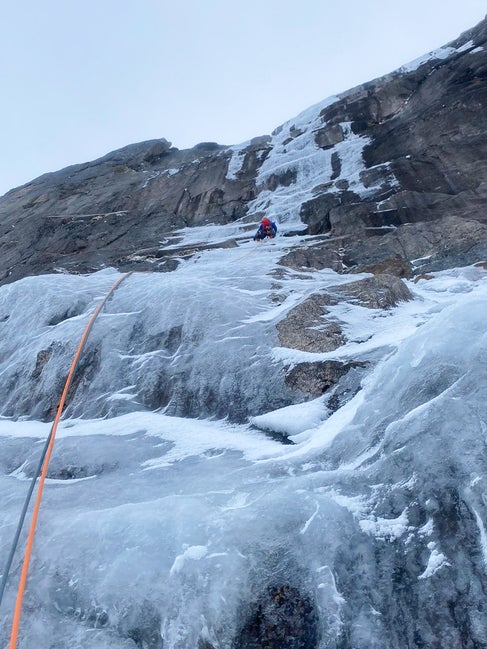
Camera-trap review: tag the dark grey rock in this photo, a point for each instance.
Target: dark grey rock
(101, 213)
(283, 179)
(156, 152)
(204, 644)
(283, 617)
(42, 358)
(432, 245)
(378, 292)
(328, 136)
(313, 257)
(317, 377)
(395, 265)
(208, 146)
(428, 131)
(316, 212)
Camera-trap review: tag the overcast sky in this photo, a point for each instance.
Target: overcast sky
(81, 78)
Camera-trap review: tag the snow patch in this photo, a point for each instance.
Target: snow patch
(427, 528)
(356, 505)
(192, 553)
(440, 53)
(436, 561)
(388, 529)
(311, 166)
(189, 437)
(465, 46)
(295, 419)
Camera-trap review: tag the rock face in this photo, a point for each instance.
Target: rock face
(314, 257)
(115, 210)
(394, 182)
(307, 329)
(379, 292)
(411, 200)
(284, 618)
(315, 378)
(425, 159)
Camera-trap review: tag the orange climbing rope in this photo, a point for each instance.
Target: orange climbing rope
(30, 539)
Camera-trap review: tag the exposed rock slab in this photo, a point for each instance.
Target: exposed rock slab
(378, 292)
(316, 378)
(432, 245)
(102, 213)
(314, 257)
(283, 617)
(306, 328)
(425, 161)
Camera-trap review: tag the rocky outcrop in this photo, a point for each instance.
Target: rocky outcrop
(425, 163)
(116, 210)
(314, 257)
(401, 251)
(310, 327)
(316, 378)
(283, 617)
(378, 292)
(420, 247)
(398, 188)
(306, 328)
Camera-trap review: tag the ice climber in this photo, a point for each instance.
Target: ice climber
(266, 229)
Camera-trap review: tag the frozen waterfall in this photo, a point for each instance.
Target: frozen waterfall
(170, 520)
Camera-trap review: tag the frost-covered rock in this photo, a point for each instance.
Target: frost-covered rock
(306, 328)
(378, 292)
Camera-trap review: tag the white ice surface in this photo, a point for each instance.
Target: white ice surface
(312, 166)
(440, 53)
(292, 420)
(189, 437)
(185, 512)
(237, 160)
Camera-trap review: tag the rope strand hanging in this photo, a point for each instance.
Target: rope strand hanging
(42, 471)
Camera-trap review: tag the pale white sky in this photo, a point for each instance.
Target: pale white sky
(79, 79)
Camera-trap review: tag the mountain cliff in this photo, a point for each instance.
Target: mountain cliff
(397, 167)
(275, 445)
